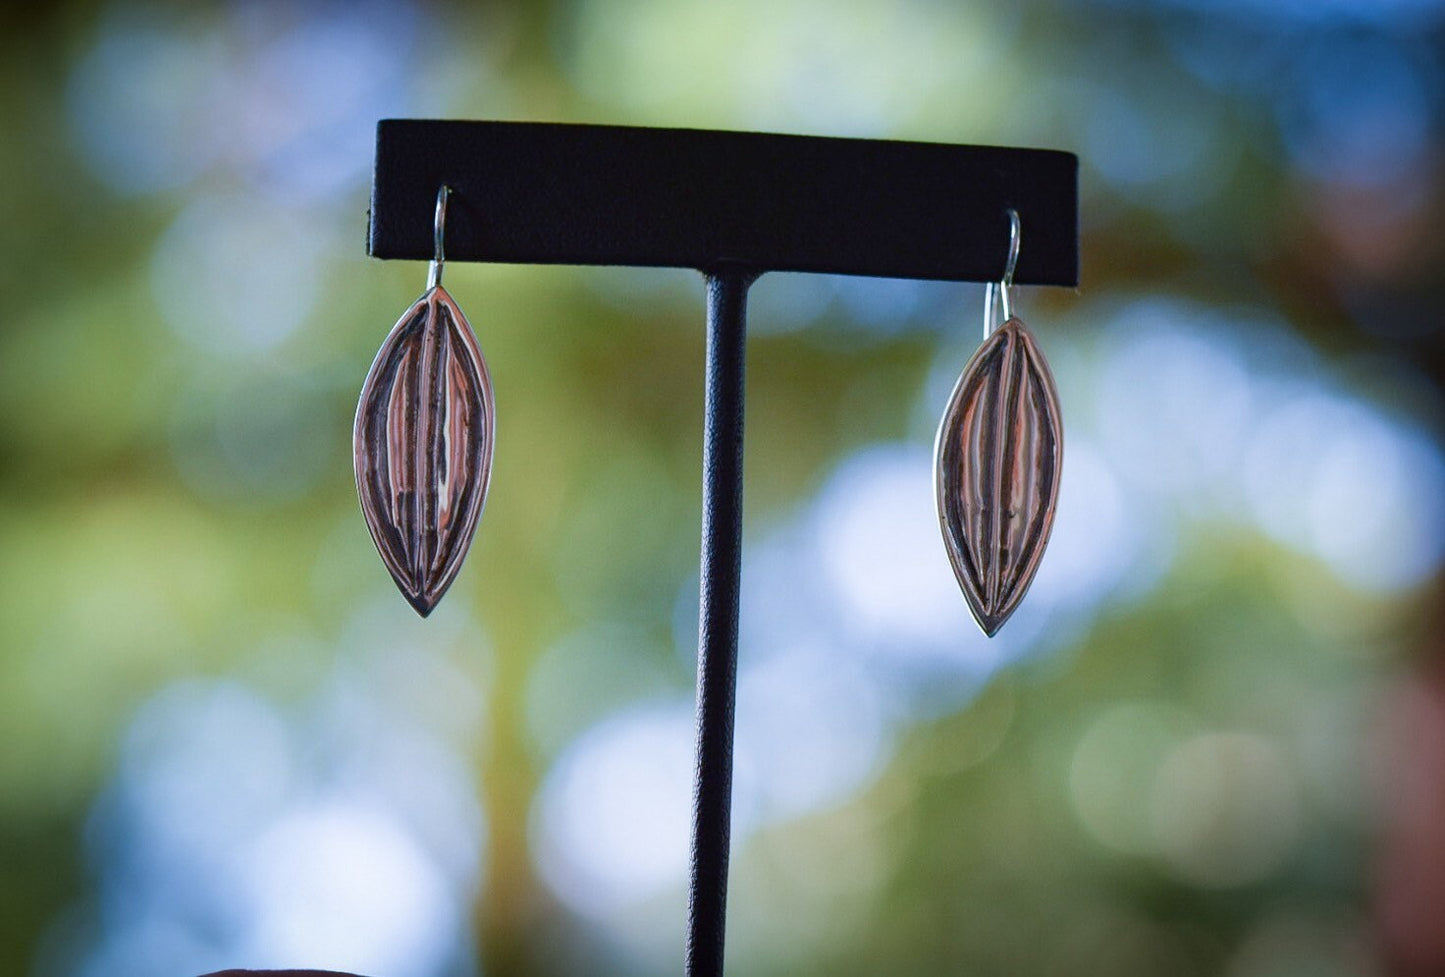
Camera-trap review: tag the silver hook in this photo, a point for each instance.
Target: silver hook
(999, 291)
(439, 231)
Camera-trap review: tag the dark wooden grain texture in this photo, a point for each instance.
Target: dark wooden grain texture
(999, 458)
(423, 447)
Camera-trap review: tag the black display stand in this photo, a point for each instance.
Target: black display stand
(732, 205)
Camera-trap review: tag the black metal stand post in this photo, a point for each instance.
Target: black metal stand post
(734, 204)
(717, 643)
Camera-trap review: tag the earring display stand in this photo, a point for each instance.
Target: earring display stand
(732, 205)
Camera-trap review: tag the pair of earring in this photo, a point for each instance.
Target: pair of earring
(426, 422)
(997, 459)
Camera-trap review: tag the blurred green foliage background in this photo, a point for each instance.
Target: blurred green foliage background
(1211, 742)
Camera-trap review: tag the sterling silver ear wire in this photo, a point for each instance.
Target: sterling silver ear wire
(996, 294)
(997, 459)
(425, 427)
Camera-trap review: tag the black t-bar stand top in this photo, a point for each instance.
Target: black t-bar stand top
(732, 205)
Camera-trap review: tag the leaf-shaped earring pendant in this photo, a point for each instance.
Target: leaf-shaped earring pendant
(997, 459)
(423, 441)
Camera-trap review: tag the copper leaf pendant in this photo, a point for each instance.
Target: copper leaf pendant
(423, 447)
(997, 458)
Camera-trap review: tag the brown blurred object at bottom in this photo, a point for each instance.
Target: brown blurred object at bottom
(1410, 900)
(279, 973)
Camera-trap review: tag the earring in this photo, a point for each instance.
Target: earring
(997, 459)
(423, 439)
